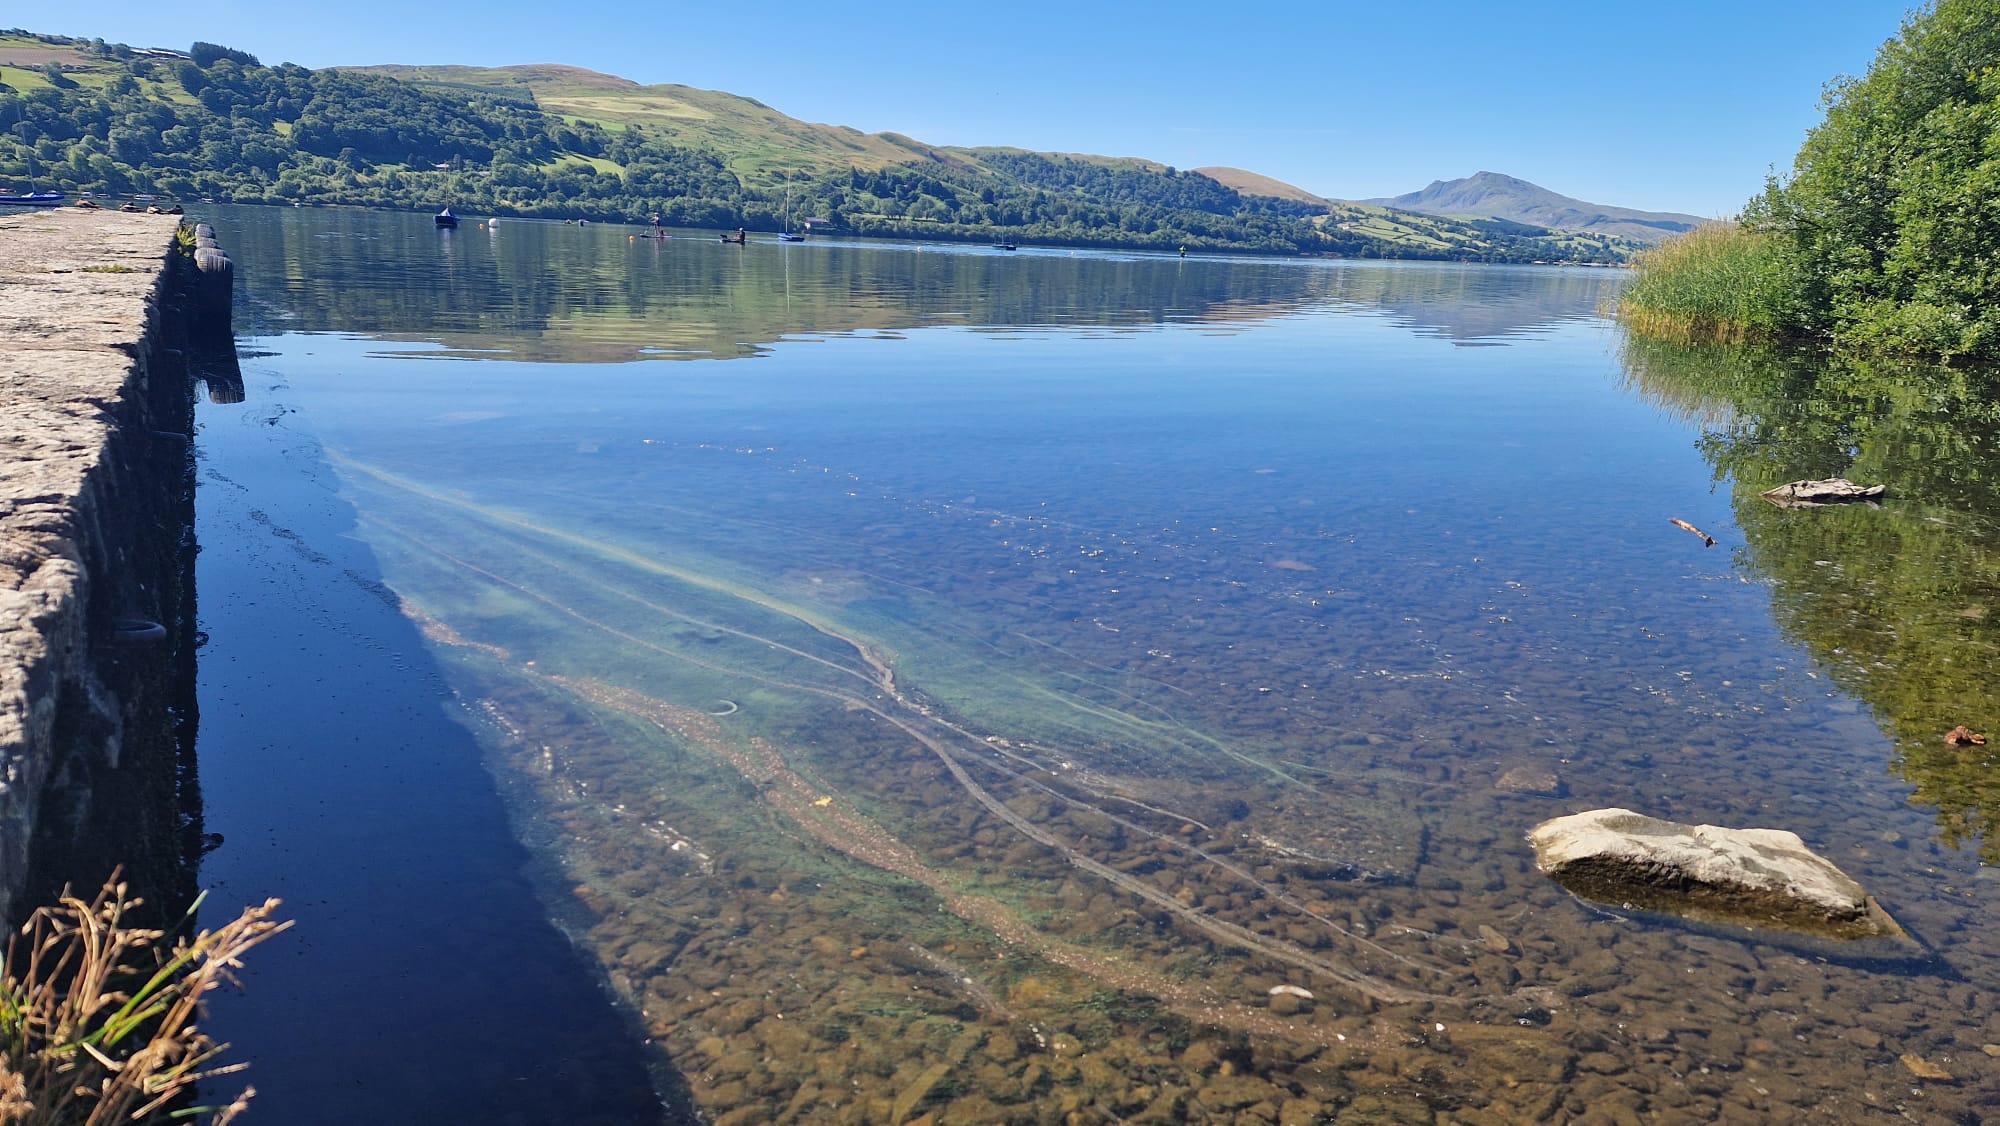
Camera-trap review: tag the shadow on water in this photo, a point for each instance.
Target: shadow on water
(423, 982)
(1900, 601)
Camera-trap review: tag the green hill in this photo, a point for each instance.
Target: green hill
(560, 141)
(758, 142)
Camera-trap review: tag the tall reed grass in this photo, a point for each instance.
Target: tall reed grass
(1720, 281)
(97, 1016)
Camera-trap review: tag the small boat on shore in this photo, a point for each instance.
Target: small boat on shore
(32, 199)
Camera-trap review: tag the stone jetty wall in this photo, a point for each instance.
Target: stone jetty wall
(98, 322)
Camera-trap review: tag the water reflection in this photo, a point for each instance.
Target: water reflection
(1899, 601)
(550, 291)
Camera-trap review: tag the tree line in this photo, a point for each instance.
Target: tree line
(218, 124)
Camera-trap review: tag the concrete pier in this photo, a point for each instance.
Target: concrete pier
(96, 554)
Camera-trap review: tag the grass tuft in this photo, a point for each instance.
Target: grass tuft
(97, 1016)
(1720, 282)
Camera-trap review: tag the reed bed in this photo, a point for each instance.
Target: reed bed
(97, 1015)
(1718, 282)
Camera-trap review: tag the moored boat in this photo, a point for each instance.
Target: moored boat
(32, 198)
(446, 218)
(786, 235)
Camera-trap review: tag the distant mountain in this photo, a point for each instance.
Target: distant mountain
(1505, 197)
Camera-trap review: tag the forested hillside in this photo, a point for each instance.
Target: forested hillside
(215, 123)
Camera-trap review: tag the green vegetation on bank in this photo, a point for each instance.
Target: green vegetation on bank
(559, 142)
(1886, 235)
(1717, 282)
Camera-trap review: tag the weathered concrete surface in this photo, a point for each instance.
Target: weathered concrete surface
(87, 454)
(1760, 877)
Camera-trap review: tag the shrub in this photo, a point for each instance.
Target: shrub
(1892, 211)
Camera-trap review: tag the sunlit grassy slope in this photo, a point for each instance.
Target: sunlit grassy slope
(757, 140)
(1252, 183)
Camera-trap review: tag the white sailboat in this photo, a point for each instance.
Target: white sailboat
(786, 235)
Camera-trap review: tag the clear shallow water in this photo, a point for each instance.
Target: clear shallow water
(961, 683)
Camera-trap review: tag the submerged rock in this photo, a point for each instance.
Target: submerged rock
(1290, 1000)
(1759, 877)
(1536, 780)
(1925, 1069)
(1833, 490)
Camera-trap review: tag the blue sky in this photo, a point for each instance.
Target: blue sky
(1667, 107)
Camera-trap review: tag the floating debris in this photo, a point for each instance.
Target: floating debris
(1706, 539)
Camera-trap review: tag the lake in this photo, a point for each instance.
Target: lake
(863, 682)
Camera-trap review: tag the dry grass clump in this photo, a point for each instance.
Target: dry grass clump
(1720, 281)
(97, 1016)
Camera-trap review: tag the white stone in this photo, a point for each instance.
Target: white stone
(1765, 876)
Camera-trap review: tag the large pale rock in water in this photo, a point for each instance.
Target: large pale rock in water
(1760, 877)
(1812, 494)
